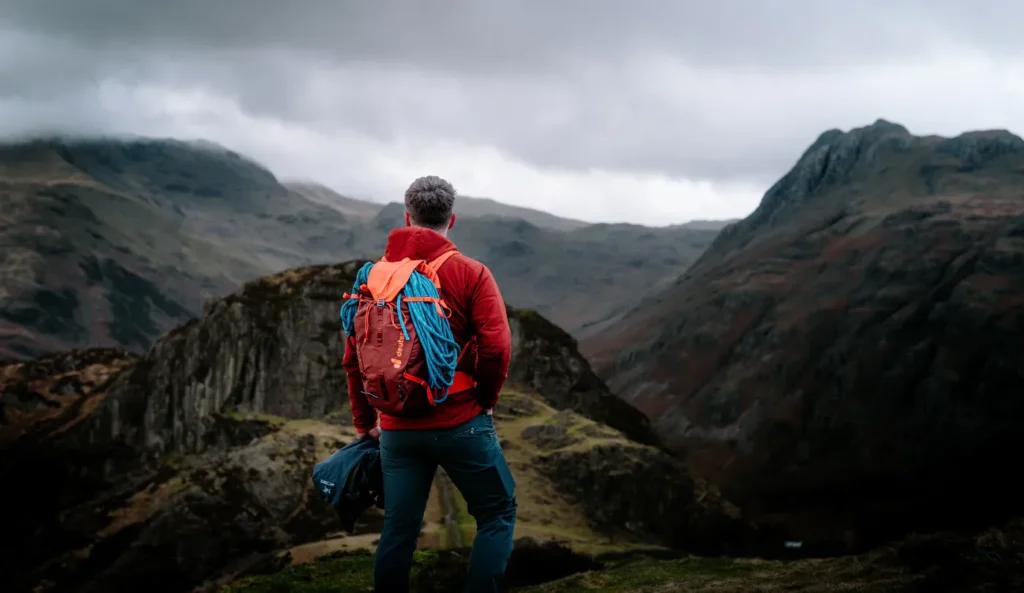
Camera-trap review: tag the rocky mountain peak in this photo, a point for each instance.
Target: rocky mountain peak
(834, 159)
(843, 173)
(975, 149)
(851, 339)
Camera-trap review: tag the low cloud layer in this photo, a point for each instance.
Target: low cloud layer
(644, 111)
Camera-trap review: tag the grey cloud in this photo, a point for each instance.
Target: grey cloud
(468, 34)
(549, 81)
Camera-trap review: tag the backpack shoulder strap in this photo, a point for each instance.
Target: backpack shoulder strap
(436, 264)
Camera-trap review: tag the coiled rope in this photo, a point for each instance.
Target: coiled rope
(433, 330)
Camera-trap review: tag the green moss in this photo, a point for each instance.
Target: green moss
(352, 572)
(339, 573)
(689, 574)
(268, 419)
(723, 575)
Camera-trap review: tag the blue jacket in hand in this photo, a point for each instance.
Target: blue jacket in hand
(351, 480)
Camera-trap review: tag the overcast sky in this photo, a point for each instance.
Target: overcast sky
(649, 111)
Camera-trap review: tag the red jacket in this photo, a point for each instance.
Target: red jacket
(478, 310)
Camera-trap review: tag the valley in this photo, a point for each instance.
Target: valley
(111, 243)
(820, 397)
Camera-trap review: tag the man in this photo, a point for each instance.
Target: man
(458, 434)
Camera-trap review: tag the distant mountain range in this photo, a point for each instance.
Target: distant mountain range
(468, 206)
(111, 243)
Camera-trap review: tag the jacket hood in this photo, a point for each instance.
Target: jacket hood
(416, 243)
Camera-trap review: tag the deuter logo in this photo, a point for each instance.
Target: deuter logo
(328, 487)
(401, 344)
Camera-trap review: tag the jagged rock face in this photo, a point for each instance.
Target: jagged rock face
(847, 356)
(878, 168)
(275, 347)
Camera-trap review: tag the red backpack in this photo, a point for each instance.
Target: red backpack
(396, 363)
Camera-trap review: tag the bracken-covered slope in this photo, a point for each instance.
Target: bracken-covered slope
(848, 356)
(112, 243)
(191, 464)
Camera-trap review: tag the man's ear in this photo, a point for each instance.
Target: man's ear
(408, 219)
(451, 222)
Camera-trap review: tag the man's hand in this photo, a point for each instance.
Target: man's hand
(374, 433)
(489, 411)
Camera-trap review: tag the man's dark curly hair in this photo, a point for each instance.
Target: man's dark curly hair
(430, 201)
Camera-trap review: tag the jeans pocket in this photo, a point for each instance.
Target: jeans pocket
(479, 432)
(480, 427)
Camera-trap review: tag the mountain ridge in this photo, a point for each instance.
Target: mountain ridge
(849, 340)
(477, 207)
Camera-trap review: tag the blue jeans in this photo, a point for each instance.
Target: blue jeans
(472, 457)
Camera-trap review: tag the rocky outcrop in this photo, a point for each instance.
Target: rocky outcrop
(846, 357)
(178, 522)
(275, 348)
(546, 359)
(191, 464)
(47, 394)
(628, 489)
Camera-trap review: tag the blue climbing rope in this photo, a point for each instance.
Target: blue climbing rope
(433, 330)
(348, 308)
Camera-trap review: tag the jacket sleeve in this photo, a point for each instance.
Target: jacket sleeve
(364, 416)
(493, 339)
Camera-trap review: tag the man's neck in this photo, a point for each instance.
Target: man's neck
(443, 232)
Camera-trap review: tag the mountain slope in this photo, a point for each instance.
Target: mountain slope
(361, 210)
(847, 356)
(110, 243)
(192, 463)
